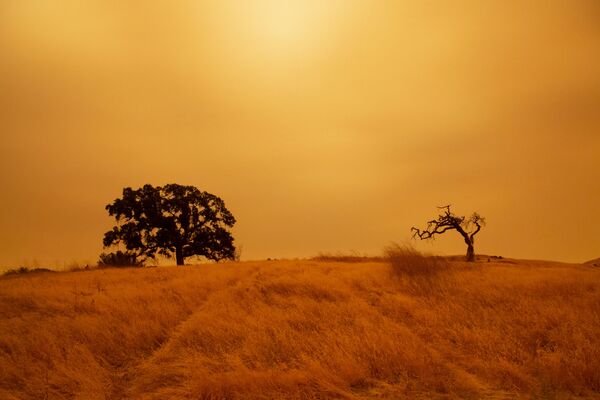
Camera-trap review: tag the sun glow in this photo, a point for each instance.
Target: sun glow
(280, 28)
(287, 23)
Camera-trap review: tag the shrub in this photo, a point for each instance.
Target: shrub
(25, 270)
(119, 259)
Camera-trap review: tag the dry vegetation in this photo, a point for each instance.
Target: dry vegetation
(304, 329)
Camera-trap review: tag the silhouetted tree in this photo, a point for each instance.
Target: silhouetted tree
(467, 227)
(172, 220)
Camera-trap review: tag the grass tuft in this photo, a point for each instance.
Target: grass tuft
(405, 260)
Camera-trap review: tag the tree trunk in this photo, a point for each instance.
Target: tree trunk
(470, 252)
(179, 255)
(469, 241)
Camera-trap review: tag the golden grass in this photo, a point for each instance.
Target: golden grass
(302, 330)
(349, 257)
(406, 261)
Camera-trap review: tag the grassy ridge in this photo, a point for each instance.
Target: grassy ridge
(302, 329)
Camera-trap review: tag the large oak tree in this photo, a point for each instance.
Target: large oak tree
(171, 220)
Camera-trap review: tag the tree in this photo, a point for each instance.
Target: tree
(172, 220)
(446, 221)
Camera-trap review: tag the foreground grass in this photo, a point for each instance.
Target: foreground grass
(302, 329)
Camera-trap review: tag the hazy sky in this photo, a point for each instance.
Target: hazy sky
(324, 125)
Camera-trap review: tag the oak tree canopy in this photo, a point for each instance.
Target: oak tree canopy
(171, 220)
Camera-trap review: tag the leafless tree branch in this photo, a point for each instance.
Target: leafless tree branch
(446, 221)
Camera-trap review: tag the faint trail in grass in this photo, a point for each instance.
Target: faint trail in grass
(124, 376)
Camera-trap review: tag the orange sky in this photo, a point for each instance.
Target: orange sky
(324, 125)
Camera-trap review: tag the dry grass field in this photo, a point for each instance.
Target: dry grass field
(304, 330)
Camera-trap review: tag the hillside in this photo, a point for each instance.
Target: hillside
(302, 330)
(595, 262)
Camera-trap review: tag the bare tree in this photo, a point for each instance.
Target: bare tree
(446, 221)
